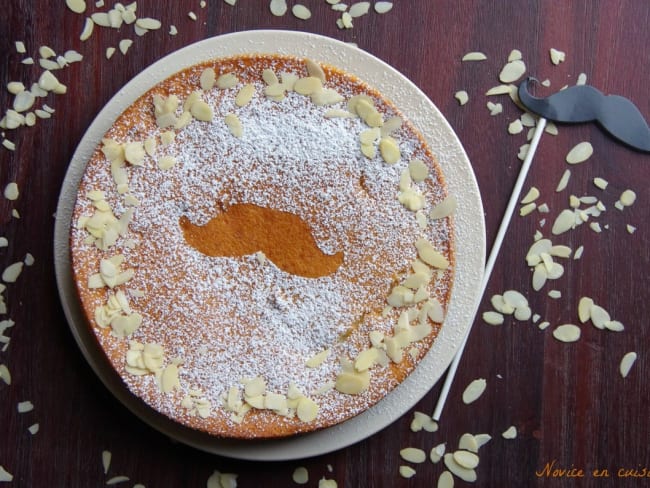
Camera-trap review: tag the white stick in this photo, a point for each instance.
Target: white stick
(496, 247)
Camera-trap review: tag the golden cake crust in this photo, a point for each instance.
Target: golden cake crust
(238, 257)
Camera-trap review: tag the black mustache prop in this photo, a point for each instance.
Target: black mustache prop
(584, 103)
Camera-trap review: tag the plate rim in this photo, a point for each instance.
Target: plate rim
(468, 273)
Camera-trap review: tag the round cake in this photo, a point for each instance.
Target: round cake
(263, 246)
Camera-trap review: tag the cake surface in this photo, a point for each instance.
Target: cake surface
(262, 246)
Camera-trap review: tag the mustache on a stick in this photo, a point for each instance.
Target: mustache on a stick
(584, 103)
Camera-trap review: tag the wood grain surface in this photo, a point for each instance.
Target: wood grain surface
(570, 405)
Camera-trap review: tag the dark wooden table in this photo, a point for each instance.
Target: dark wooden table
(569, 403)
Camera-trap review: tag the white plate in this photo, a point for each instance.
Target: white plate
(470, 238)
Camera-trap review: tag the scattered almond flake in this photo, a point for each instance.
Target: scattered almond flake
(564, 222)
(551, 128)
(564, 180)
(192, 15)
(28, 60)
(301, 12)
(24, 407)
(106, 460)
(124, 45)
(20, 47)
(406, 472)
(34, 428)
(494, 108)
(359, 8)
(474, 390)
(468, 475)
(626, 363)
(580, 153)
(5, 375)
(5, 476)
(567, 333)
(326, 483)
(627, 198)
(109, 52)
(582, 79)
(466, 459)
(523, 150)
(300, 475)
(614, 326)
(599, 316)
(600, 183)
(9, 144)
(467, 442)
(555, 294)
(173, 30)
(15, 87)
(117, 479)
(72, 56)
(543, 208)
(499, 90)
(474, 56)
(12, 272)
(514, 55)
(462, 97)
(23, 101)
(493, 318)
(11, 191)
(15, 214)
(278, 7)
(413, 455)
(437, 452)
(148, 23)
(630, 229)
(512, 71)
(383, 7)
(446, 480)
(231, 2)
(423, 421)
(584, 309)
(527, 209)
(510, 433)
(46, 52)
(557, 57)
(543, 325)
(29, 260)
(87, 30)
(595, 226)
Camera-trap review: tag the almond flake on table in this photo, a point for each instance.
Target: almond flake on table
(11, 191)
(474, 390)
(413, 455)
(300, 475)
(5, 476)
(383, 7)
(5, 375)
(222, 480)
(446, 480)
(405, 472)
(557, 56)
(278, 7)
(117, 479)
(510, 433)
(474, 56)
(327, 483)
(626, 363)
(25, 406)
(34, 428)
(580, 153)
(462, 97)
(301, 12)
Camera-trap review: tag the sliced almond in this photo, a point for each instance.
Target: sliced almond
(579, 153)
(567, 333)
(626, 363)
(474, 390)
(413, 455)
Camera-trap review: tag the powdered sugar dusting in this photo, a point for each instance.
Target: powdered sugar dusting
(233, 318)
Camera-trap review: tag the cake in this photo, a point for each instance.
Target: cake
(263, 246)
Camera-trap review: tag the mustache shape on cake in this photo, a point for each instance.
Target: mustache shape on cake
(245, 229)
(584, 103)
